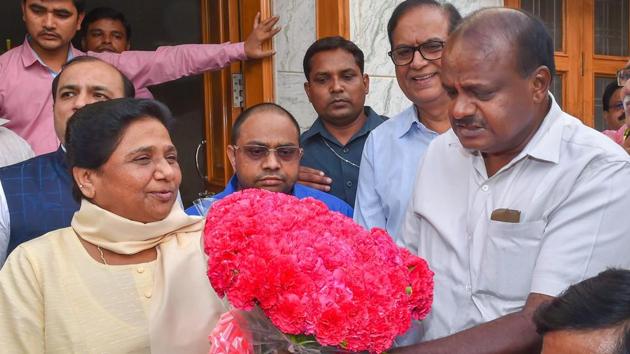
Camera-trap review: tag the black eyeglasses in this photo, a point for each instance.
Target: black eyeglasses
(431, 50)
(257, 152)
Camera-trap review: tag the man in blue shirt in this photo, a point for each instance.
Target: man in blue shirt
(265, 153)
(336, 86)
(417, 31)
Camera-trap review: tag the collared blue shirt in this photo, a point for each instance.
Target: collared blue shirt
(299, 191)
(324, 152)
(391, 156)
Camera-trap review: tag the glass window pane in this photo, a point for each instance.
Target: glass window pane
(556, 88)
(550, 11)
(611, 27)
(600, 86)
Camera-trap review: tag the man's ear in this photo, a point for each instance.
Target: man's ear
(366, 83)
(23, 6)
(128, 45)
(83, 44)
(540, 83)
(80, 20)
(231, 154)
(84, 178)
(307, 89)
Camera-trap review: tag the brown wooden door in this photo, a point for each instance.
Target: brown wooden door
(591, 40)
(222, 21)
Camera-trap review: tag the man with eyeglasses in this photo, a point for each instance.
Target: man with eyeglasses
(265, 153)
(621, 97)
(417, 31)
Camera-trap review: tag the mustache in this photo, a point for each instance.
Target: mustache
(106, 48)
(262, 176)
(339, 99)
(49, 33)
(470, 121)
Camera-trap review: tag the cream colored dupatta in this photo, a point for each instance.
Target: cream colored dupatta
(184, 307)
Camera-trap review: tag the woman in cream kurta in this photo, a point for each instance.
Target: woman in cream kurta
(69, 292)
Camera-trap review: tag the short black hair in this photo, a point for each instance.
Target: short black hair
(332, 43)
(454, 17)
(78, 4)
(95, 130)
(599, 302)
(100, 13)
(261, 107)
(608, 92)
(531, 42)
(128, 89)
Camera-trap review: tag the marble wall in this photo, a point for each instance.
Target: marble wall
(369, 32)
(297, 18)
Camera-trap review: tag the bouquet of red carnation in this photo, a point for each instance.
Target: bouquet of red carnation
(313, 272)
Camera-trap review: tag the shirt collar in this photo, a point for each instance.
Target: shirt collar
(372, 121)
(408, 120)
(30, 57)
(544, 145)
(28, 54)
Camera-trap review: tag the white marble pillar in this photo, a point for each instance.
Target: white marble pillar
(297, 18)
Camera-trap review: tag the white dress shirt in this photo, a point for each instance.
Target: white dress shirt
(13, 148)
(5, 226)
(571, 186)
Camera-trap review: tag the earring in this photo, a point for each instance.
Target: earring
(80, 186)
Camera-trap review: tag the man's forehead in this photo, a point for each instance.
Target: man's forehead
(106, 22)
(53, 4)
(268, 127)
(331, 61)
(99, 72)
(475, 53)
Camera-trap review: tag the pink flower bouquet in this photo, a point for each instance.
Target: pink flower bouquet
(313, 272)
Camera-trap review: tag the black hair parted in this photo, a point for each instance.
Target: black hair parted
(454, 17)
(332, 43)
(261, 107)
(94, 131)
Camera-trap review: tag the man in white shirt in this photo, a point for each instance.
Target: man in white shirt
(13, 148)
(519, 200)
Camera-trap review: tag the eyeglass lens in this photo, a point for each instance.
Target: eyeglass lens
(285, 153)
(429, 51)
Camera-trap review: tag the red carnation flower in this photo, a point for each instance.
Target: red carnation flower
(313, 271)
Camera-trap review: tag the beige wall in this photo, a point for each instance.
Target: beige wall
(368, 29)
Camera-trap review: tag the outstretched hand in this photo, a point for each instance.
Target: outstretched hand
(262, 32)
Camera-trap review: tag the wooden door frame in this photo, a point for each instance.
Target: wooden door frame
(223, 21)
(332, 18)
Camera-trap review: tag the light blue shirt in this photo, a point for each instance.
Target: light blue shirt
(388, 170)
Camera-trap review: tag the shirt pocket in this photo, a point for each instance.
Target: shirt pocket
(508, 259)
